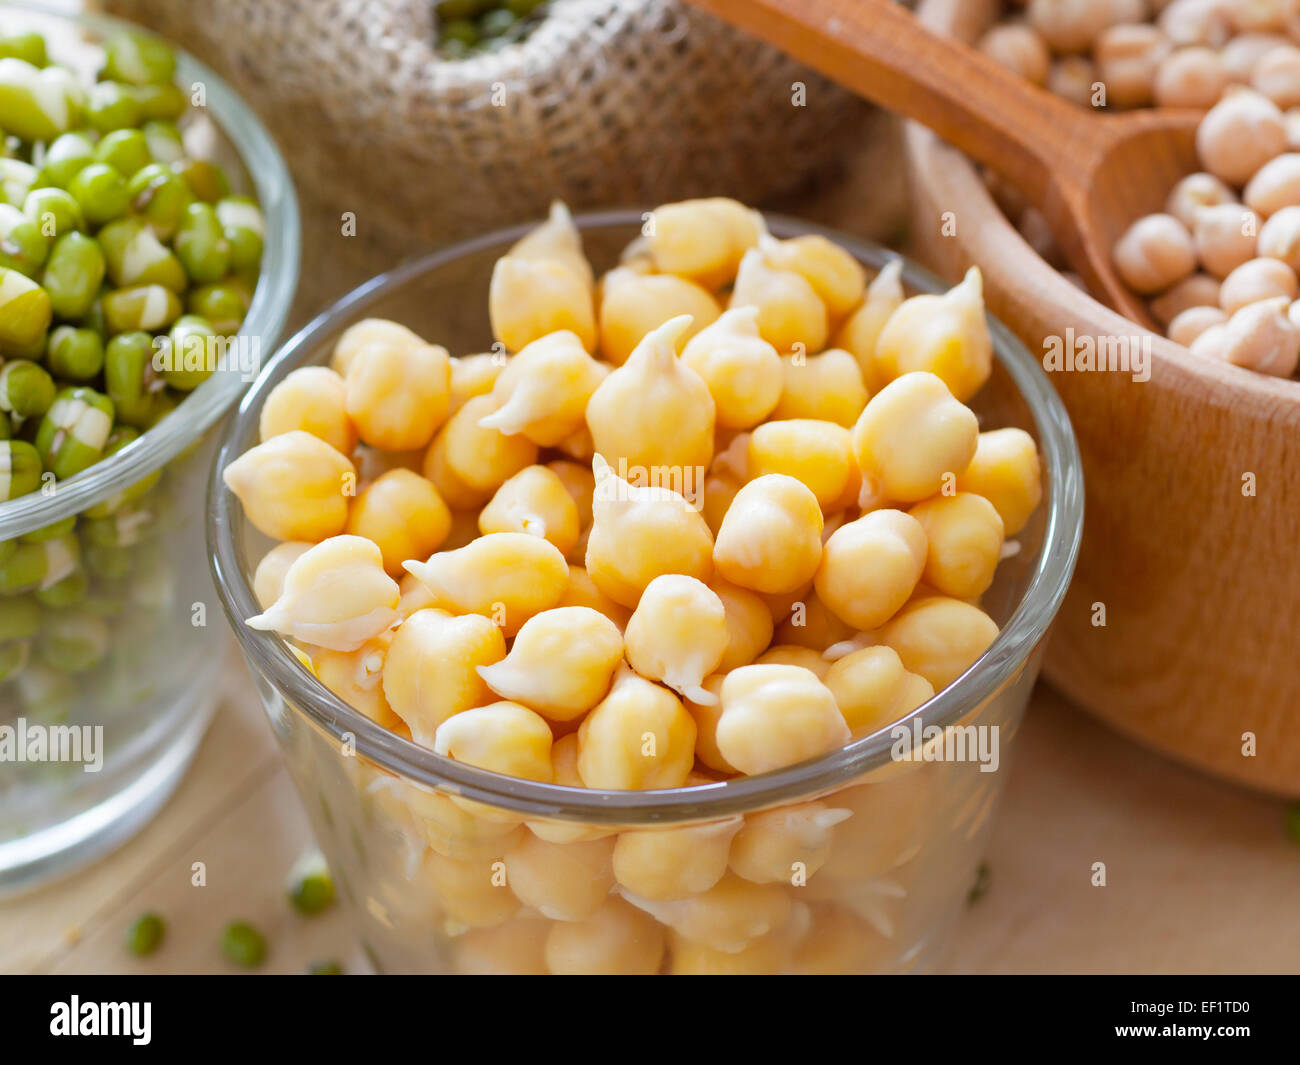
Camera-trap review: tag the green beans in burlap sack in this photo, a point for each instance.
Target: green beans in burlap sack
(604, 103)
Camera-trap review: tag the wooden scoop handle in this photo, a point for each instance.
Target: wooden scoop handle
(882, 52)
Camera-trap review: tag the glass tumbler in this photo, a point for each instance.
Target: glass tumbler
(96, 751)
(854, 862)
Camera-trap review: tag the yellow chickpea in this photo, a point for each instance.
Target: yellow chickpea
(653, 411)
(639, 533)
(402, 513)
(473, 375)
(431, 671)
(313, 399)
(776, 715)
(467, 462)
(398, 394)
(741, 369)
(529, 298)
(507, 577)
(617, 940)
(564, 772)
(516, 948)
(939, 638)
(638, 737)
(770, 540)
(544, 390)
(472, 894)
(728, 917)
(673, 863)
(872, 689)
(678, 634)
(838, 279)
(944, 334)
(827, 387)
(556, 240)
(1005, 471)
(565, 882)
(293, 487)
(870, 567)
(365, 332)
(456, 833)
(504, 737)
(335, 596)
(355, 677)
(706, 716)
(268, 578)
(634, 304)
(861, 330)
(818, 454)
(813, 625)
(560, 664)
(533, 501)
(582, 591)
(964, 537)
(791, 316)
(749, 625)
(912, 439)
(785, 846)
(703, 240)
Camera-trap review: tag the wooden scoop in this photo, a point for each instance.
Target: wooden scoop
(1091, 174)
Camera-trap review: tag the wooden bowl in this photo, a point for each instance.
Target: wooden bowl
(1182, 628)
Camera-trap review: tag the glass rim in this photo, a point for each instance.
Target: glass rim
(267, 313)
(303, 693)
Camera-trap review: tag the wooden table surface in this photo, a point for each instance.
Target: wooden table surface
(1201, 876)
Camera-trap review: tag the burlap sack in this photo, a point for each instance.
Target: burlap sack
(606, 103)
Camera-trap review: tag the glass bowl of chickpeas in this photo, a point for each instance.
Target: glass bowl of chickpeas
(148, 259)
(621, 590)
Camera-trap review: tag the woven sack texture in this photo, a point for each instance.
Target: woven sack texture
(606, 103)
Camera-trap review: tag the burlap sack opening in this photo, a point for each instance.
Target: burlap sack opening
(607, 103)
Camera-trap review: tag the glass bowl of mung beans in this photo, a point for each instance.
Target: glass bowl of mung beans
(149, 243)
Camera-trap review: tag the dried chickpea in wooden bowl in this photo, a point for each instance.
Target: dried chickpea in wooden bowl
(586, 728)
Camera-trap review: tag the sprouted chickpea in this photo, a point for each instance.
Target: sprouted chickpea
(638, 737)
(861, 330)
(335, 595)
(770, 540)
(827, 387)
(560, 664)
(946, 335)
(507, 577)
(432, 668)
(776, 715)
(703, 240)
(678, 634)
(639, 533)
(674, 863)
(397, 395)
(791, 316)
(741, 370)
(293, 487)
(313, 399)
(818, 454)
(654, 411)
(634, 304)
(534, 501)
(542, 392)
